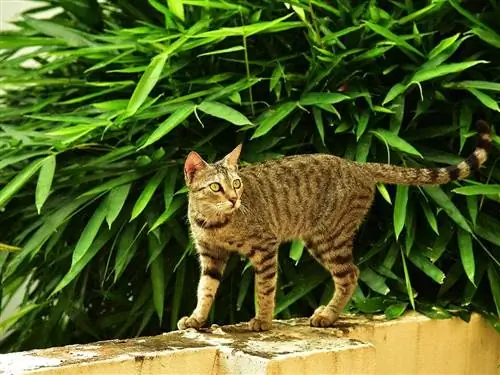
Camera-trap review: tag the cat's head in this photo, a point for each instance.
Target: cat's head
(214, 189)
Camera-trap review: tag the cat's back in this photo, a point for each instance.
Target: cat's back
(293, 193)
(305, 165)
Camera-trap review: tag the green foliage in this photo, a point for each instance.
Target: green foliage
(99, 113)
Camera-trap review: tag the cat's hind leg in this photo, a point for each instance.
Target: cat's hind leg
(334, 252)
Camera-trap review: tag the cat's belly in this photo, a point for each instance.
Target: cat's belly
(238, 239)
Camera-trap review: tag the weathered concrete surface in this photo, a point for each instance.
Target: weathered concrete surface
(412, 344)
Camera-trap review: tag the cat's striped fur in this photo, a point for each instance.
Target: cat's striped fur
(320, 199)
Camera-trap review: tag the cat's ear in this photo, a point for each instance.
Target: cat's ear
(194, 163)
(231, 159)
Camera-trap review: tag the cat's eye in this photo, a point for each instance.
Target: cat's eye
(237, 183)
(215, 187)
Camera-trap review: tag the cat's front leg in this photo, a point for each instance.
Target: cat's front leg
(264, 262)
(213, 261)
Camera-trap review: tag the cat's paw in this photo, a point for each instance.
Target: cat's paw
(258, 325)
(188, 322)
(323, 317)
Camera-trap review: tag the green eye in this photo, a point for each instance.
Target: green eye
(237, 183)
(215, 187)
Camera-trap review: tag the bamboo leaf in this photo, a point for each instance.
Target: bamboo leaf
(443, 45)
(487, 100)
(224, 112)
(300, 289)
(395, 141)
(396, 310)
(274, 117)
(429, 215)
(51, 223)
(275, 77)
(72, 37)
(494, 279)
(177, 203)
(10, 160)
(466, 253)
(465, 119)
(76, 268)
(314, 98)
(372, 53)
(477, 190)
(427, 74)
(411, 227)
(114, 202)
(363, 150)
(383, 191)
(18, 182)
(488, 36)
(400, 209)
(374, 281)
(157, 276)
(472, 207)
(169, 187)
(389, 35)
(394, 92)
(409, 288)
(318, 119)
(146, 83)
(89, 233)
(127, 247)
(7, 323)
(479, 85)
(427, 267)
(9, 248)
(296, 251)
(437, 249)
(487, 228)
(147, 193)
(435, 312)
(111, 184)
(178, 9)
(370, 305)
(169, 124)
(246, 280)
(256, 28)
(45, 178)
(439, 196)
(222, 51)
(364, 118)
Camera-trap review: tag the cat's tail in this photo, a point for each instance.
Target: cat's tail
(391, 174)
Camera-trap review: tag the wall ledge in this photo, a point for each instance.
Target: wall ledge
(412, 344)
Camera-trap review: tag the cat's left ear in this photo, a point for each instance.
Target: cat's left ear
(231, 159)
(194, 163)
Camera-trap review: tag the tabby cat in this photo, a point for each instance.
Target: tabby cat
(320, 199)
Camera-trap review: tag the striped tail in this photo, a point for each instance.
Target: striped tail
(391, 174)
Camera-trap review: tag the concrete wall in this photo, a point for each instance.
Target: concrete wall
(413, 344)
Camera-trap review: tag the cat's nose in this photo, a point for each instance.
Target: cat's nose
(233, 200)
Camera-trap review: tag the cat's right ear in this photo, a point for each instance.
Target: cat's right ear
(194, 163)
